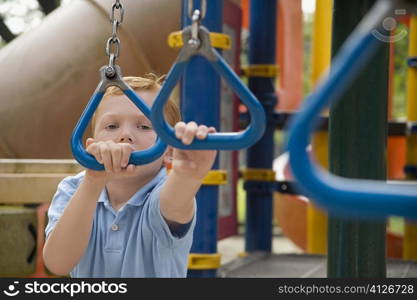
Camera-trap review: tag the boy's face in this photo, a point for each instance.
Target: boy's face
(119, 120)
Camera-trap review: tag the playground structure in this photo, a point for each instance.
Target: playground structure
(216, 219)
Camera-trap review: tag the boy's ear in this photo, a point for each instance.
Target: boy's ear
(168, 157)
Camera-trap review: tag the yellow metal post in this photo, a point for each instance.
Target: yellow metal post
(321, 56)
(322, 38)
(410, 232)
(316, 218)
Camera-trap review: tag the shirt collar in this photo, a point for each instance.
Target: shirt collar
(139, 197)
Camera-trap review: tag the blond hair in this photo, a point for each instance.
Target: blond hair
(149, 82)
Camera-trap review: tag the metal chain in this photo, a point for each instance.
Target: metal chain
(116, 19)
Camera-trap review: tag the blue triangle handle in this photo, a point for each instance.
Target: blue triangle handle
(138, 157)
(219, 141)
(341, 196)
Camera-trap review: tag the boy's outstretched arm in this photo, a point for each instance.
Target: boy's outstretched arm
(69, 239)
(189, 167)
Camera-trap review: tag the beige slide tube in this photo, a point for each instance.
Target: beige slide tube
(50, 72)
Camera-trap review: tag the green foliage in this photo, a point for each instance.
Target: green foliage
(400, 66)
(396, 225)
(400, 75)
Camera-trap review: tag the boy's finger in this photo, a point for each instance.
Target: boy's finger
(189, 133)
(202, 132)
(89, 141)
(106, 156)
(179, 129)
(116, 154)
(126, 152)
(130, 168)
(212, 129)
(93, 149)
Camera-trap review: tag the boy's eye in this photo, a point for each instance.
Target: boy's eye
(144, 127)
(111, 126)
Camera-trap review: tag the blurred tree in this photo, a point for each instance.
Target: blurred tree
(45, 6)
(5, 32)
(48, 6)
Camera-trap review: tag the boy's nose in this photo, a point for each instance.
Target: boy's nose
(126, 139)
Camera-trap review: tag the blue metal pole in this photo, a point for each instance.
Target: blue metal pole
(200, 102)
(259, 194)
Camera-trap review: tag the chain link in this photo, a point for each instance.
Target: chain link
(117, 6)
(113, 43)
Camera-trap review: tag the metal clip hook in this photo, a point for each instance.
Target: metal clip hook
(110, 69)
(203, 8)
(195, 42)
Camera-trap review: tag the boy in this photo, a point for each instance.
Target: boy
(128, 221)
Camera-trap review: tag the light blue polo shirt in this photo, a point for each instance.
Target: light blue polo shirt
(132, 242)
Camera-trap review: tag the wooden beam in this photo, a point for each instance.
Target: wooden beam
(28, 188)
(18, 166)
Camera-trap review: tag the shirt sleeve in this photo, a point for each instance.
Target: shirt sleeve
(177, 229)
(65, 190)
(168, 236)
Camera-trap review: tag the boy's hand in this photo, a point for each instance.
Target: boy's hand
(114, 156)
(192, 163)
